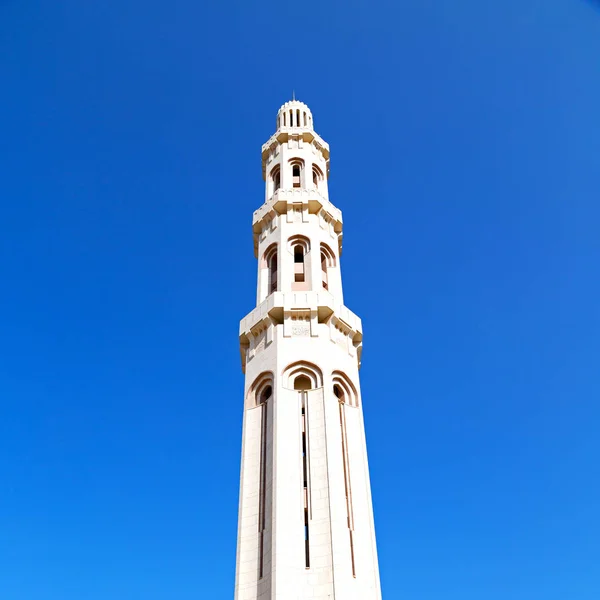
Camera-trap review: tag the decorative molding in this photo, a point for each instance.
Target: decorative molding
(300, 322)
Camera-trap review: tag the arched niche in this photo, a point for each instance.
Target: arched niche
(343, 389)
(261, 390)
(303, 374)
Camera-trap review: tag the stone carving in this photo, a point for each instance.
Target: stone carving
(260, 342)
(300, 329)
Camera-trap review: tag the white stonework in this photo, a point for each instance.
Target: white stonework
(305, 517)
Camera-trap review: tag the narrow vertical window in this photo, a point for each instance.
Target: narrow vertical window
(266, 394)
(296, 176)
(276, 179)
(304, 118)
(327, 261)
(299, 274)
(298, 118)
(339, 394)
(299, 248)
(305, 481)
(306, 541)
(273, 273)
(302, 383)
(291, 118)
(317, 176)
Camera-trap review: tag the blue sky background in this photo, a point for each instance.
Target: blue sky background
(465, 153)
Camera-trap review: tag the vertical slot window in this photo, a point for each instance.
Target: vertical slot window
(262, 400)
(324, 270)
(317, 176)
(299, 248)
(273, 274)
(327, 262)
(302, 384)
(299, 274)
(341, 396)
(305, 481)
(270, 266)
(296, 176)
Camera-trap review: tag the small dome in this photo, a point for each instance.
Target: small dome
(294, 115)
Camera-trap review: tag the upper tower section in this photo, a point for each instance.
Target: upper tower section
(295, 157)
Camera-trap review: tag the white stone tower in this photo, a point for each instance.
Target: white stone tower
(305, 518)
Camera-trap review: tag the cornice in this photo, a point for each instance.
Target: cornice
(319, 307)
(283, 201)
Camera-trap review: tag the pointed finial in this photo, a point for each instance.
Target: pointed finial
(294, 95)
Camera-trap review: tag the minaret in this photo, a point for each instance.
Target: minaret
(305, 525)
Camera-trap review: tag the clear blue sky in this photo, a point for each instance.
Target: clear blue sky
(465, 153)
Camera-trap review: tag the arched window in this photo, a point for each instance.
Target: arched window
(324, 277)
(266, 394)
(291, 118)
(304, 118)
(284, 120)
(302, 369)
(317, 176)
(276, 176)
(299, 246)
(344, 390)
(261, 390)
(327, 261)
(273, 274)
(299, 274)
(270, 262)
(296, 176)
(297, 165)
(298, 118)
(258, 398)
(303, 377)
